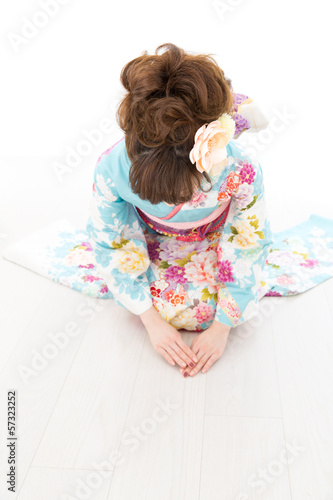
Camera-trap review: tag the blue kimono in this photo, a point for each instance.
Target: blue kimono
(192, 276)
(213, 257)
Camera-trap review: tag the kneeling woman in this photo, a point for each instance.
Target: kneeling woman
(178, 221)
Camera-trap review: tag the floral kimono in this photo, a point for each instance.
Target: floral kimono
(213, 257)
(194, 262)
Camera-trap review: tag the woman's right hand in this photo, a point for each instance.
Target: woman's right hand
(167, 340)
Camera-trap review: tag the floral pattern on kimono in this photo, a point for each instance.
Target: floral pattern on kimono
(225, 272)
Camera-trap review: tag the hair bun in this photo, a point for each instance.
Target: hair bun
(170, 94)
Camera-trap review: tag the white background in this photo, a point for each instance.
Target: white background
(65, 79)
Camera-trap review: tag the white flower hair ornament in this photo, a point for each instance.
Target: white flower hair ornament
(210, 143)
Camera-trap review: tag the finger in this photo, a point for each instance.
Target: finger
(199, 365)
(209, 363)
(175, 356)
(195, 346)
(185, 371)
(187, 368)
(186, 359)
(166, 356)
(187, 349)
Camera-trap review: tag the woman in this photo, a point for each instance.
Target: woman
(178, 221)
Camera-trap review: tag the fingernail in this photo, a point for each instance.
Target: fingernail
(185, 374)
(192, 372)
(191, 364)
(204, 371)
(195, 360)
(183, 365)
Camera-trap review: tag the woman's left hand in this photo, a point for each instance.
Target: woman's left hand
(208, 346)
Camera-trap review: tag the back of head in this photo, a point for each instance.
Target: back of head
(169, 96)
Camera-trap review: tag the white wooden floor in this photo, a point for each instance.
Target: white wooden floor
(107, 418)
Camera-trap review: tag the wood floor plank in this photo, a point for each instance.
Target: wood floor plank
(20, 299)
(161, 448)
(89, 417)
(303, 336)
(243, 459)
(39, 366)
(64, 484)
(243, 382)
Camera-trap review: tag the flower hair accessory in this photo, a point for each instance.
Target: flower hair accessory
(210, 143)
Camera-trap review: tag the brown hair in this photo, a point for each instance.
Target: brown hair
(169, 96)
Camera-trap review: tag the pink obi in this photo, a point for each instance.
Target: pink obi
(186, 231)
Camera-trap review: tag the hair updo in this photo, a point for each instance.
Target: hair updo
(169, 96)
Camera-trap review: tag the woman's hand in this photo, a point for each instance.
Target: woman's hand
(167, 340)
(209, 346)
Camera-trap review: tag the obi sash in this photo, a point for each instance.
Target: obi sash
(186, 231)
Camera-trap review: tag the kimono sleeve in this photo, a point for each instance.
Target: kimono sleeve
(244, 244)
(119, 244)
(247, 115)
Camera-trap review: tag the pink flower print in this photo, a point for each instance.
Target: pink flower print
(219, 253)
(201, 270)
(232, 311)
(273, 294)
(225, 271)
(176, 274)
(87, 245)
(310, 263)
(104, 289)
(88, 266)
(197, 199)
(203, 312)
(247, 173)
(284, 279)
(90, 278)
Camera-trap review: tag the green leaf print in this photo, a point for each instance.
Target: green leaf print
(260, 234)
(233, 230)
(254, 223)
(164, 264)
(205, 295)
(182, 262)
(250, 204)
(121, 244)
